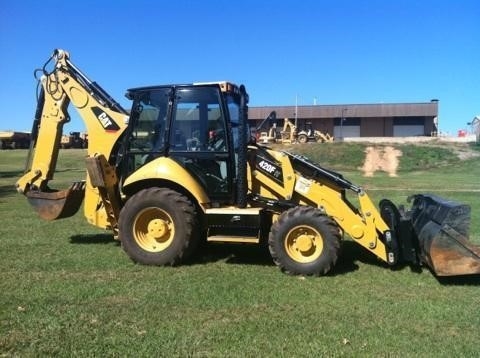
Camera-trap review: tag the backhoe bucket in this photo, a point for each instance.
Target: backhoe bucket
(441, 227)
(53, 205)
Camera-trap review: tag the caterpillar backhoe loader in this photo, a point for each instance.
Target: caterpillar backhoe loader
(308, 134)
(180, 167)
(290, 133)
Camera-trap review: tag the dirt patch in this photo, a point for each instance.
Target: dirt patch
(380, 156)
(381, 159)
(465, 153)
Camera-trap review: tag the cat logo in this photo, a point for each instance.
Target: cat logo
(105, 120)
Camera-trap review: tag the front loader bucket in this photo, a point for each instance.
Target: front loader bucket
(441, 227)
(59, 204)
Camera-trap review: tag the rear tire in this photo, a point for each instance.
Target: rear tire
(158, 226)
(303, 241)
(302, 138)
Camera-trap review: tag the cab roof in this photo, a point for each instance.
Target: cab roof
(225, 86)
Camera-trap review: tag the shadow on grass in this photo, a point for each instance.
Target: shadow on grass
(6, 190)
(96, 239)
(352, 252)
(471, 280)
(232, 253)
(259, 255)
(350, 255)
(11, 174)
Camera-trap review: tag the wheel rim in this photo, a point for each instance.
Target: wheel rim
(304, 244)
(153, 229)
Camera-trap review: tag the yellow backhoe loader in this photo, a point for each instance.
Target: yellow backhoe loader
(180, 167)
(308, 134)
(290, 133)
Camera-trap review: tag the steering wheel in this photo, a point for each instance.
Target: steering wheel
(216, 140)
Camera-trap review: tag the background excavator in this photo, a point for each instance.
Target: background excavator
(309, 134)
(289, 132)
(180, 167)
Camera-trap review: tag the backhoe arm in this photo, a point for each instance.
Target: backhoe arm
(47, 134)
(105, 121)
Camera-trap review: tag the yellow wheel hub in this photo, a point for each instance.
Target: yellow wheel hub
(153, 229)
(304, 244)
(157, 228)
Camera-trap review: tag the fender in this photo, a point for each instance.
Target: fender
(167, 169)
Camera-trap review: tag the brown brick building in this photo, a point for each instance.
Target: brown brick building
(358, 120)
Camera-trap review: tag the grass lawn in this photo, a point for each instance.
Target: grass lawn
(68, 289)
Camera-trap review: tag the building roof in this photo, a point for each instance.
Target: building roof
(427, 109)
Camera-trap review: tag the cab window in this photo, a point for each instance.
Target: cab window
(198, 124)
(199, 140)
(149, 114)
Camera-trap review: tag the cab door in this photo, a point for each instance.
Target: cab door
(145, 139)
(200, 142)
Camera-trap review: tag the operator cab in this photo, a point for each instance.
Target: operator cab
(196, 125)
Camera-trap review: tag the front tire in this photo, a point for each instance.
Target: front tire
(158, 226)
(303, 241)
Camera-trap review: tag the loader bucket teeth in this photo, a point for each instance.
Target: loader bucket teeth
(442, 229)
(57, 204)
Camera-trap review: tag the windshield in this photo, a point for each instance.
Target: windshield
(149, 127)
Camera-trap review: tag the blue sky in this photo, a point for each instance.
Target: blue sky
(331, 52)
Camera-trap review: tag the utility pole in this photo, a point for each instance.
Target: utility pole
(341, 122)
(296, 110)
